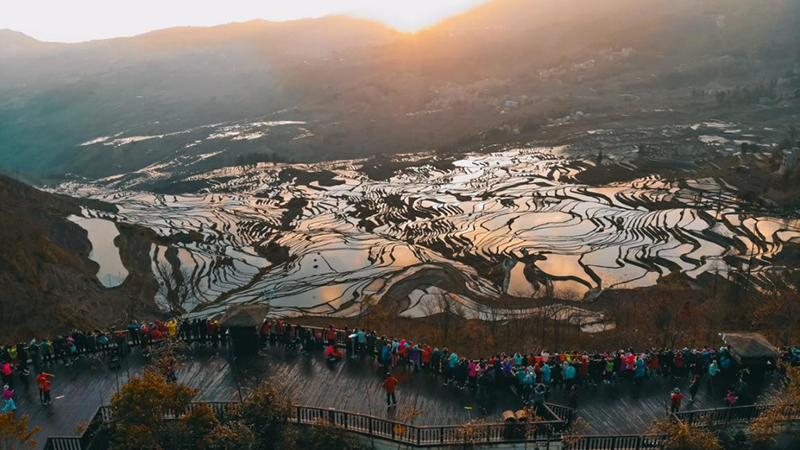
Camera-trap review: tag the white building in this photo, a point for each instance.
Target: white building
(789, 160)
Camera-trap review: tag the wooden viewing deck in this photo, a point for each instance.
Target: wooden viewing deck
(350, 385)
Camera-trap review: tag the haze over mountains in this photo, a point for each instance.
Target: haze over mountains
(339, 87)
(565, 150)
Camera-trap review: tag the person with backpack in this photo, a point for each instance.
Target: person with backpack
(390, 386)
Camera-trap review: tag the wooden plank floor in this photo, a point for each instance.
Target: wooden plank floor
(350, 385)
(626, 408)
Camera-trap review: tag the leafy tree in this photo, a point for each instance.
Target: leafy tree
(235, 435)
(140, 410)
(764, 429)
(469, 435)
(265, 413)
(15, 434)
(198, 428)
(681, 436)
(326, 436)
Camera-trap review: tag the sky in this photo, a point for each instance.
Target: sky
(82, 20)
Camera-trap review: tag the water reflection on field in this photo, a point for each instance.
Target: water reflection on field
(105, 253)
(511, 224)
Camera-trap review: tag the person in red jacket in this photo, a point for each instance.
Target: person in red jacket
(44, 387)
(332, 353)
(675, 400)
(155, 335)
(390, 386)
(330, 335)
(583, 370)
(426, 358)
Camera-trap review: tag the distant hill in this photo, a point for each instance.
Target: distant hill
(16, 43)
(210, 97)
(45, 272)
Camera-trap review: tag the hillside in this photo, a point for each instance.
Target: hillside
(46, 273)
(14, 43)
(338, 87)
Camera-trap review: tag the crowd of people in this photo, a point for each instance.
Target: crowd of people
(534, 375)
(16, 361)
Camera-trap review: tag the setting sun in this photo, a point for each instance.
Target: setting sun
(413, 15)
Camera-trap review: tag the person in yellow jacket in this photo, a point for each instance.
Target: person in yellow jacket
(172, 328)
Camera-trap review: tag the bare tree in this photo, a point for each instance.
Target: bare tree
(490, 312)
(445, 308)
(175, 281)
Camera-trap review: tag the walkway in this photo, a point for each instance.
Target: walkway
(351, 385)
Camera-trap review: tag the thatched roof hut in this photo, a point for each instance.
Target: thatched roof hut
(749, 348)
(243, 323)
(245, 316)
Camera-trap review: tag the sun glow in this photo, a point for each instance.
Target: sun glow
(82, 20)
(414, 15)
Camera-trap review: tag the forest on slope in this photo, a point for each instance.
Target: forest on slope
(48, 281)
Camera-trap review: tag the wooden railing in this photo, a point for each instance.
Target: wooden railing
(558, 418)
(564, 413)
(621, 442)
(544, 430)
(101, 416)
(430, 435)
(737, 414)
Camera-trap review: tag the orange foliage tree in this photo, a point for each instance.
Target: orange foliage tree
(15, 434)
(141, 409)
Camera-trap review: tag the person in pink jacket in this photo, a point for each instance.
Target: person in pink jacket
(8, 396)
(472, 371)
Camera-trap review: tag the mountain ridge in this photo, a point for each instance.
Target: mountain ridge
(362, 88)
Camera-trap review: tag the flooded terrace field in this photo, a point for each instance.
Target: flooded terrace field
(513, 225)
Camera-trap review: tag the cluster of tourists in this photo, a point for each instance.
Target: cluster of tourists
(201, 331)
(534, 375)
(15, 367)
(18, 362)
